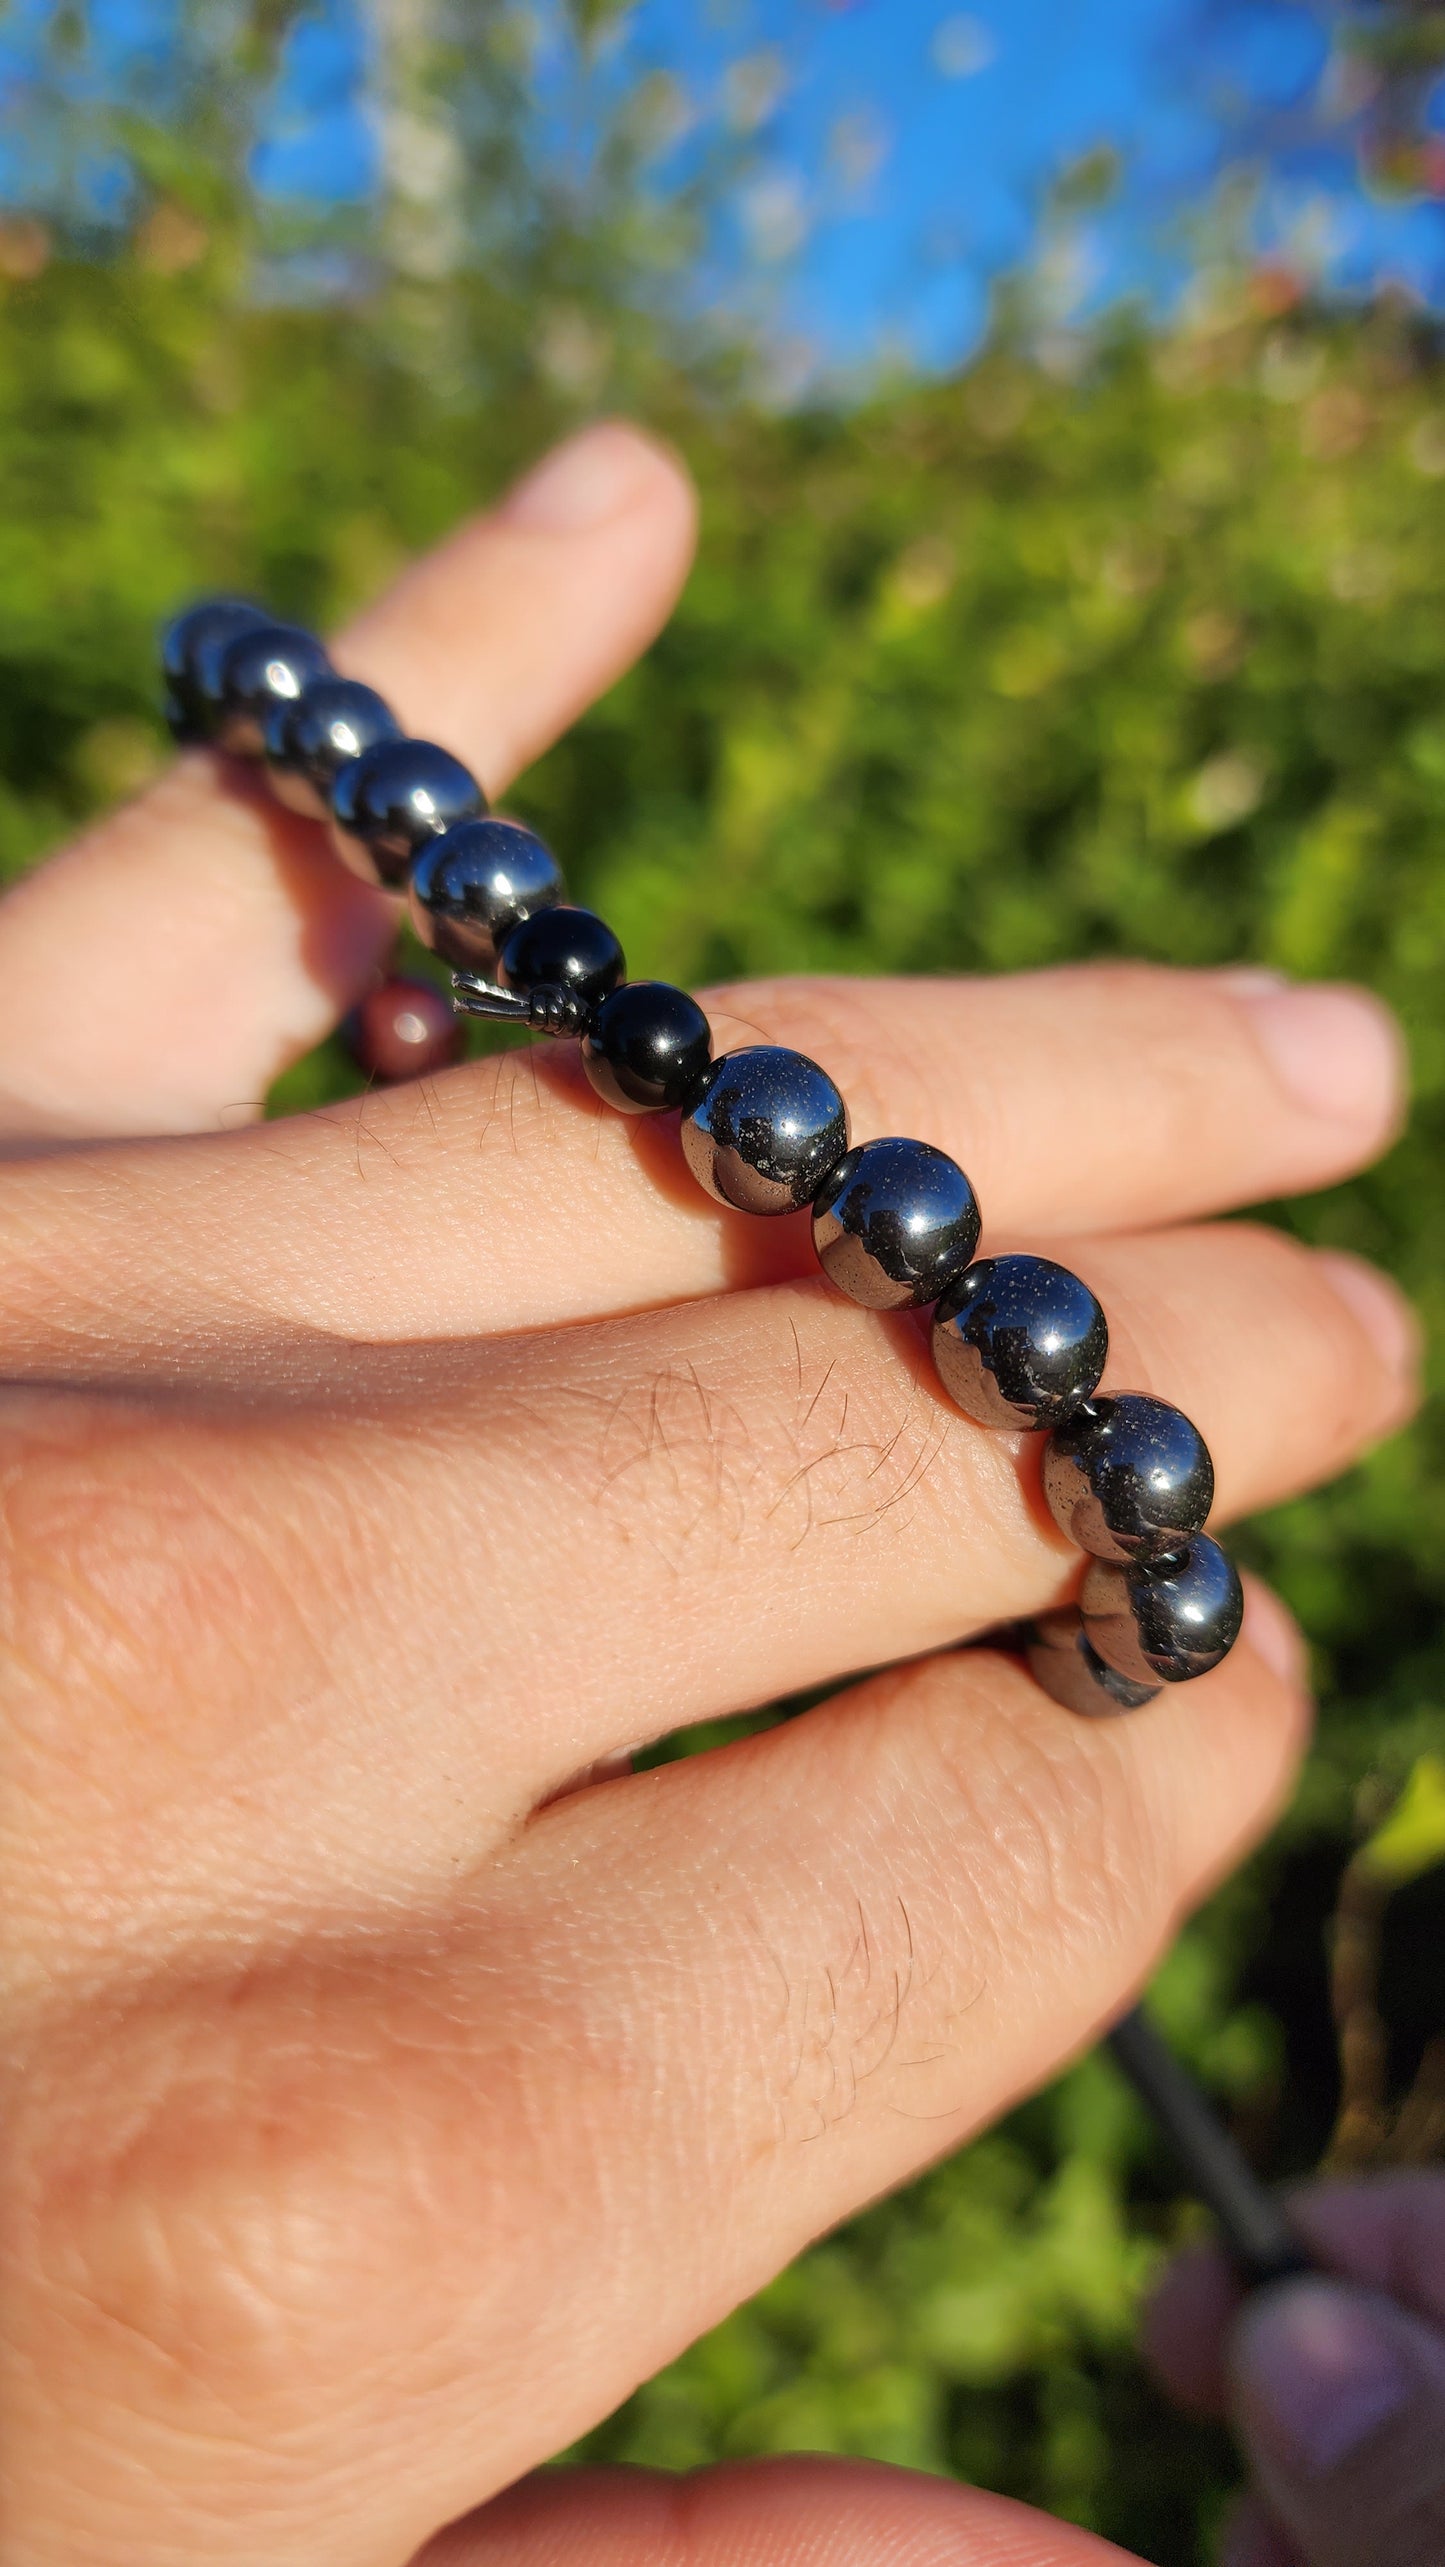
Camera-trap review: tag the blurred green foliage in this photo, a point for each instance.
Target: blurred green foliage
(1147, 657)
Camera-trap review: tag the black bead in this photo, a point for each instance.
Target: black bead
(1019, 1341)
(766, 1131)
(1163, 1621)
(894, 1223)
(1128, 1477)
(192, 647)
(567, 949)
(648, 1047)
(308, 742)
(387, 803)
(471, 887)
(1065, 1662)
(268, 665)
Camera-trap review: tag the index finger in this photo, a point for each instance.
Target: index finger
(213, 935)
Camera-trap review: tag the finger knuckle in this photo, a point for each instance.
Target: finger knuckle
(122, 1536)
(221, 2195)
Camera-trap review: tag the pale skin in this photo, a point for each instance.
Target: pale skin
(399, 2079)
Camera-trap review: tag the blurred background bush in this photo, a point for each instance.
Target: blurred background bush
(1073, 461)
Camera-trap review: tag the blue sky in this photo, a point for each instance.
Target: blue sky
(888, 158)
(912, 143)
(908, 148)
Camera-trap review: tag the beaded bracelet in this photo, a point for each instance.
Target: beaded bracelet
(1017, 1340)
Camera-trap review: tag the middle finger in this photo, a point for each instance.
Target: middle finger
(504, 1196)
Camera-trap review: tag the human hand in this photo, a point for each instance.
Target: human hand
(1335, 2386)
(383, 2110)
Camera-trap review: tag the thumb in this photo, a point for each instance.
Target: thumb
(1339, 2396)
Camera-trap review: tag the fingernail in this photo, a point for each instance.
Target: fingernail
(1316, 2373)
(1274, 1634)
(1337, 1052)
(1384, 1314)
(592, 477)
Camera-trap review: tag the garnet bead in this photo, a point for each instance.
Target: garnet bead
(191, 651)
(647, 1048)
(1163, 1621)
(1063, 1659)
(1128, 1477)
(894, 1223)
(269, 665)
(402, 1029)
(308, 742)
(566, 949)
(472, 886)
(387, 803)
(766, 1131)
(1019, 1341)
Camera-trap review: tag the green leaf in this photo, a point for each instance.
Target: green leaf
(1412, 1839)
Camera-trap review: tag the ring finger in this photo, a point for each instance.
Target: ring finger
(422, 1615)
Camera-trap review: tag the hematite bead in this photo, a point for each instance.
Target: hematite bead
(567, 949)
(472, 886)
(766, 1130)
(387, 803)
(191, 650)
(894, 1223)
(308, 742)
(1128, 1477)
(402, 1029)
(267, 665)
(1163, 1621)
(1019, 1341)
(647, 1048)
(1065, 1662)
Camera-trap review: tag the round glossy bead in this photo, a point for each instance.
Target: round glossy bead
(568, 949)
(766, 1130)
(191, 651)
(647, 1048)
(471, 887)
(1163, 1621)
(388, 802)
(308, 742)
(402, 1029)
(894, 1223)
(1019, 1341)
(1128, 1477)
(269, 665)
(1063, 1659)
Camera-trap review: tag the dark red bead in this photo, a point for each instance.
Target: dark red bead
(402, 1029)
